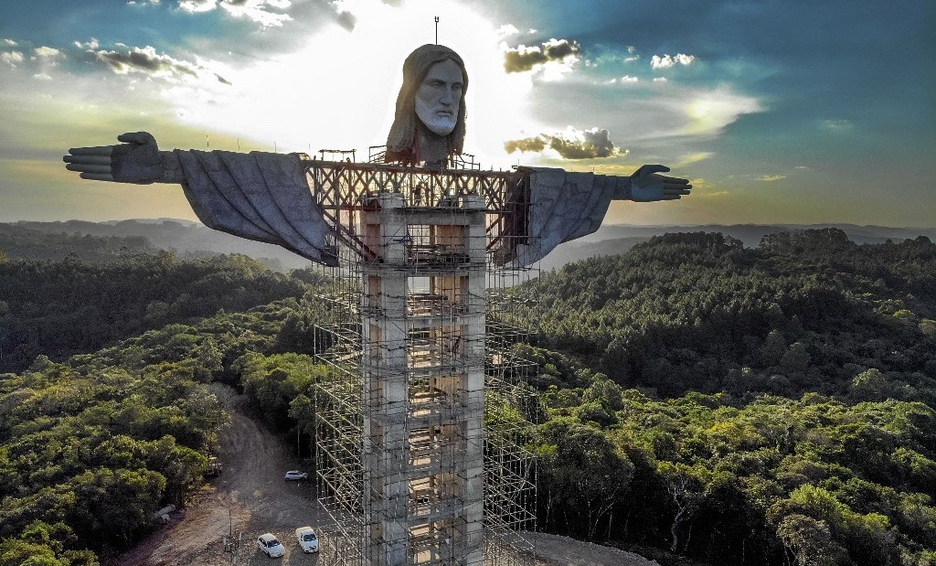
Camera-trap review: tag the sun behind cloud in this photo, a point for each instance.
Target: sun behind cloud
(338, 90)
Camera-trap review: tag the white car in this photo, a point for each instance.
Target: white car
(270, 545)
(296, 475)
(307, 539)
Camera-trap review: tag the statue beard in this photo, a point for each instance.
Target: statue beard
(439, 125)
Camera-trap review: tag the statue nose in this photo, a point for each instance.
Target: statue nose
(448, 97)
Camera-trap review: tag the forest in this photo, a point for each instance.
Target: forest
(702, 403)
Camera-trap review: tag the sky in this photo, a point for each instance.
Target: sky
(778, 111)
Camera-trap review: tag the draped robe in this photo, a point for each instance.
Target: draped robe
(266, 197)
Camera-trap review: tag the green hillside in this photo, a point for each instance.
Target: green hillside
(702, 402)
(742, 406)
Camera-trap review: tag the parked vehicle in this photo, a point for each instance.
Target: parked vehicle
(296, 475)
(270, 545)
(307, 539)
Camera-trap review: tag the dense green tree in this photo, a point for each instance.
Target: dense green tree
(581, 474)
(809, 541)
(68, 307)
(274, 381)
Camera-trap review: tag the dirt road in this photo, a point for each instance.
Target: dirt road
(250, 497)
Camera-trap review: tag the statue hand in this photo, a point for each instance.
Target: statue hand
(648, 185)
(137, 160)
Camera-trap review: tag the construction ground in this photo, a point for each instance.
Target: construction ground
(251, 497)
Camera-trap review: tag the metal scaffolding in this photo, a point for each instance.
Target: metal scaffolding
(420, 430)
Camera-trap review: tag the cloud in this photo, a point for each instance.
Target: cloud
(507, 30)
(47, 52)
(574, 144)
(88, 46)
(197, 6)
(522, 58)
(691, 158)
(11, 58)
(39, 60)
(145, 60)
(770, 178)
(255, 10)
(667, 61)
(347, 20)
(710, 111)
(837, 125)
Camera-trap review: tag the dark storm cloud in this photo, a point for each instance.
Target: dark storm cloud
(523, 58)
(590, 144)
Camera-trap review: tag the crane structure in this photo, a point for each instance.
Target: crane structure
(419, 432)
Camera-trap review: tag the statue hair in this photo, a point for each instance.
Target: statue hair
(401, 141)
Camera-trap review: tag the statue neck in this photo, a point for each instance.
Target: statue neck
(432, 149)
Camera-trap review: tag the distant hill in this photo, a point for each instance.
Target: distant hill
(617, 239)
(192, 239)
(185, 238)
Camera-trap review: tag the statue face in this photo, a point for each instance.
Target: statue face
(438, 97)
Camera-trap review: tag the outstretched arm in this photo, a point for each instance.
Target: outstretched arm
(647, 185)
(137, 160)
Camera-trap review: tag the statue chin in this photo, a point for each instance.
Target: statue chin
(439, 125)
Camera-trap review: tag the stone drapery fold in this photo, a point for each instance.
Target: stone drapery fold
(265, 197)
(258, 196)
(563, 206)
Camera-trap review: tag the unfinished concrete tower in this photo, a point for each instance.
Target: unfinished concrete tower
(411, 471)
(423, 379)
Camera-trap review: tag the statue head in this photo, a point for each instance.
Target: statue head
(427, 120)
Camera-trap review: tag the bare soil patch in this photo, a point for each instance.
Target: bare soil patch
(555, 550)
(249, 498)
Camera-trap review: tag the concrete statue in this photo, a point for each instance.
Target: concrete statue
(413, 468)
(265, 196)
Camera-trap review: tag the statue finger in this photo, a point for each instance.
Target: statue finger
(139, 138)
(676, 186)
(88, 159)
(674, 180)
(86, 168)
(94, 150)
(97, 176)
(646, 170)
